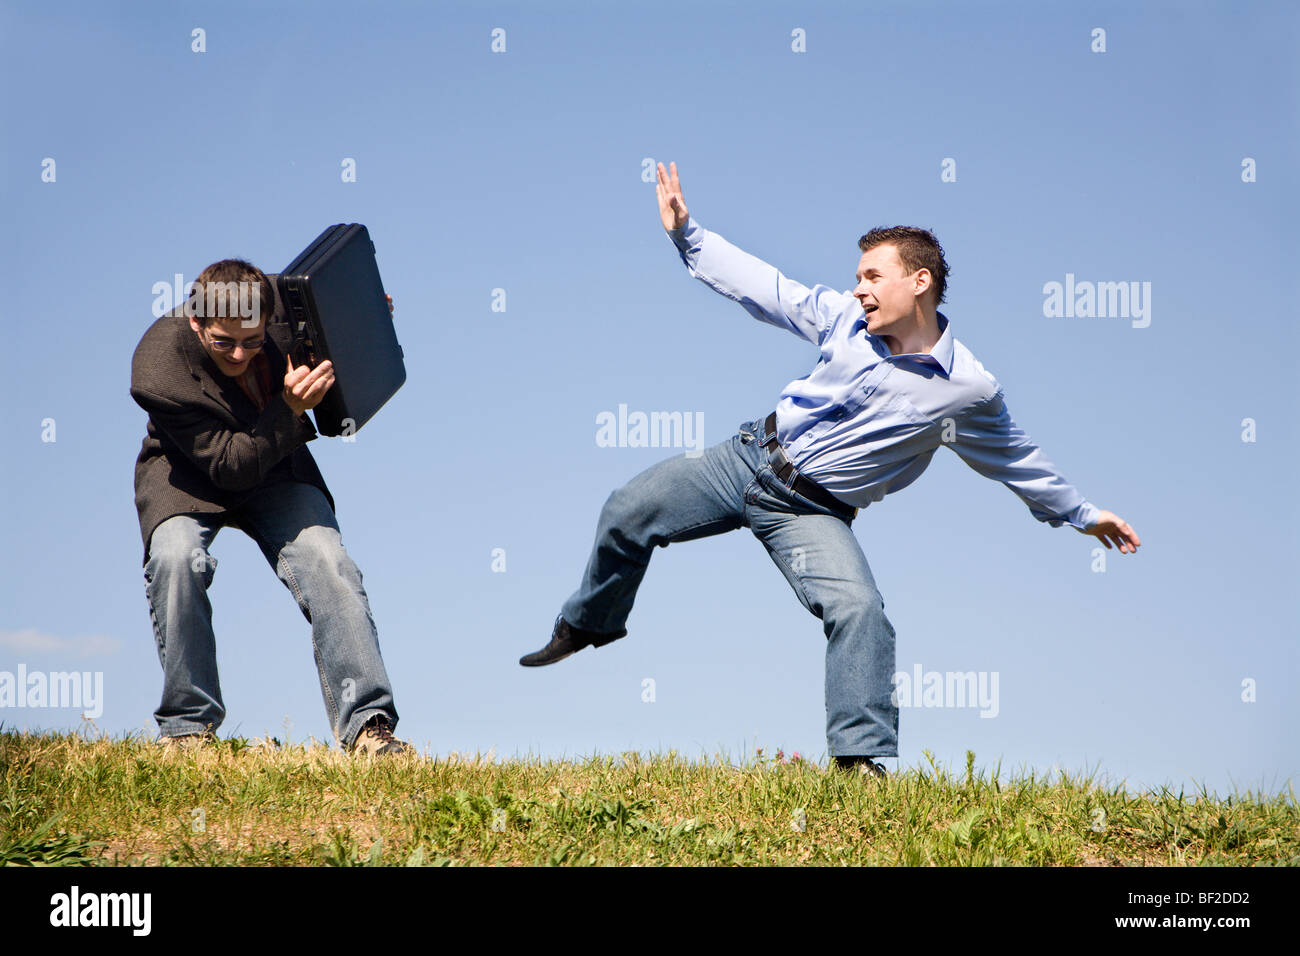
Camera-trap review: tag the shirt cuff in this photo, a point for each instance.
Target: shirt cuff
(1084, 516)
(684, 237)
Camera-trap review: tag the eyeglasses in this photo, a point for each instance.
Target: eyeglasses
(228, 345)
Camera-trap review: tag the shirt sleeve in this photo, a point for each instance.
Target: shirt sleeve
(765, 293)
(995, 446)
(232, 460)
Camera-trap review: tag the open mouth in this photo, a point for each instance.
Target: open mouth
(870, 308)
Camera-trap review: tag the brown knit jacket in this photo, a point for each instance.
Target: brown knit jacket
(207, 449)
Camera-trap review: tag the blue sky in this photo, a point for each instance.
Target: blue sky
(522, 170)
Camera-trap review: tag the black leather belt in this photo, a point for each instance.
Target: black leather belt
(784, 469)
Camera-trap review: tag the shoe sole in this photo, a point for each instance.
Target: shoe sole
(553, 660)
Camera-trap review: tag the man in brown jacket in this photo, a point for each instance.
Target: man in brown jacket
(226, 445)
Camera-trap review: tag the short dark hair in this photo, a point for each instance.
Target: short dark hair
(216, 292)
(917, 249)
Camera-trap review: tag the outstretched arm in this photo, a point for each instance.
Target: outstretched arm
(991, 443)
(765, 293)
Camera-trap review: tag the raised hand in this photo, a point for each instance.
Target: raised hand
(305, 387)
(672, 207)
(1111, 527)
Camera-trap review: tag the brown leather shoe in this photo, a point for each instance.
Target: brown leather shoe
(566, 640)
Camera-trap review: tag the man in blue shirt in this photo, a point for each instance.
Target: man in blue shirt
(891, 385)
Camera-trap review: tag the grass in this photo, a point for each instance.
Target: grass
(66, 800)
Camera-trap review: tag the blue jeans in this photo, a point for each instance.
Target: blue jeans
(296, 530)
(729, 486)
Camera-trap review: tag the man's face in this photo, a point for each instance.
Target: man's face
(885, 288)
(229, 343)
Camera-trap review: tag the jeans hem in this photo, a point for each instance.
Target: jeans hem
(894, 754)
(171, 728)
(358, 721)
(615, 635)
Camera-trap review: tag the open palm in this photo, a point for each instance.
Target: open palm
(672, 207)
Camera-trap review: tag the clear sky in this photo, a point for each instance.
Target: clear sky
(796, 128)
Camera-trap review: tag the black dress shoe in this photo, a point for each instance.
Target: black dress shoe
(566, 640)
(856, 763)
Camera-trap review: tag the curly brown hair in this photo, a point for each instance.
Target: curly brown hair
(917, 249)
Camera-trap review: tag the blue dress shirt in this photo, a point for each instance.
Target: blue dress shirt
(864, 423)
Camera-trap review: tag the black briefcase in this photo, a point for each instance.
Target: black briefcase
(334, 301)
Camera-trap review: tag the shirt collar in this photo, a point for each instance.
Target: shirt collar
(942, 353)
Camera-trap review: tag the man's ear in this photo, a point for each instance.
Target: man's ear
(923, 281)
(194, 324)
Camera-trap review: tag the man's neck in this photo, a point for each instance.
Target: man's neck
(919, 337)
